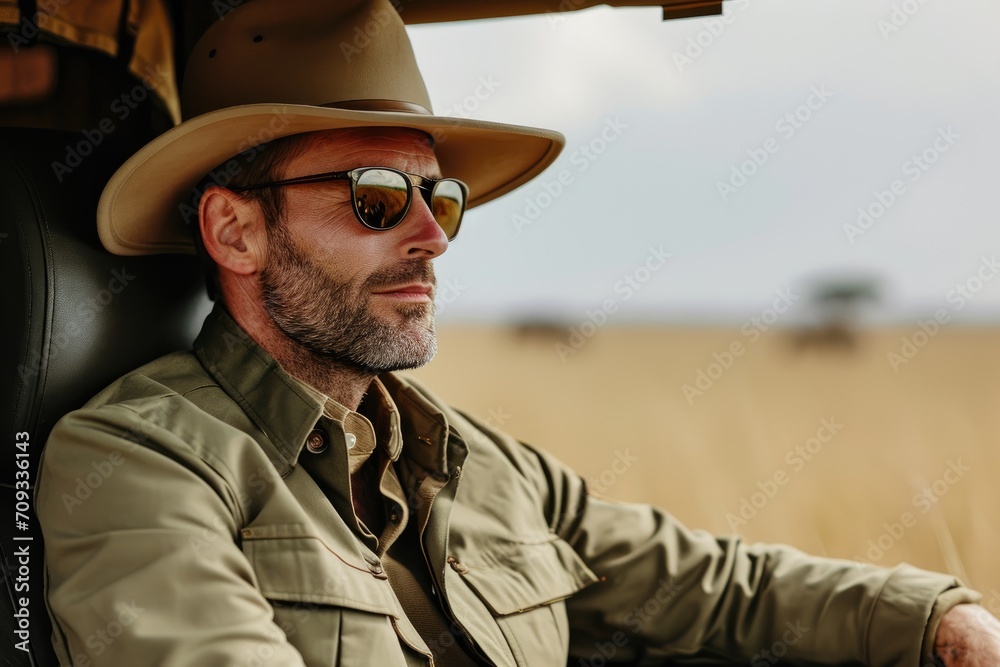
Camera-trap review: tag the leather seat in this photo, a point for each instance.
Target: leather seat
(77, 318)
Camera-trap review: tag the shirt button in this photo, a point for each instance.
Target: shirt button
(350, 439)
(395, 514)
(316, 442)
(376, 569)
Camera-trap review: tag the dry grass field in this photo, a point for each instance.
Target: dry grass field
(828, 448)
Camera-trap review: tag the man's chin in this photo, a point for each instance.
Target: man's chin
(408, 365)
(403, 360)
(399, 345)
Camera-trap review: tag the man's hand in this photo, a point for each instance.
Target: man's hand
(969, 636)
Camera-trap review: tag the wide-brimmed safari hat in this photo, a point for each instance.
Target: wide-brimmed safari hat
(269, 69)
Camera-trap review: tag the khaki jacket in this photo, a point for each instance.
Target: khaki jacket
(183, 529)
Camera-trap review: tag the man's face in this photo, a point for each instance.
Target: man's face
(328, 281)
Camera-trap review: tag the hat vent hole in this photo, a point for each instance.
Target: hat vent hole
(211, 54)
(258, 38)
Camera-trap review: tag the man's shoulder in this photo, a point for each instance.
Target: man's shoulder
(177, 373)
(172, 392)
(170, 403)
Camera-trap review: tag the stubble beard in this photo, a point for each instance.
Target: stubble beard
(334, 321)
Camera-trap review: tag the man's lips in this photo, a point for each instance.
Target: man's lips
(411, 292)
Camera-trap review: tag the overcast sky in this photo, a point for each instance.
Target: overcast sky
(743, 149)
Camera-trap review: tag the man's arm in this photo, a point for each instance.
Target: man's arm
(140, 549)
(722, 598)
(672, 593)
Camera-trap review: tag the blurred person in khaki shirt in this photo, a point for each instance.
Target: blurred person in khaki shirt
(282, 495)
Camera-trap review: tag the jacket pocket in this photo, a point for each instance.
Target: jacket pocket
(331, 608)
(523, 585)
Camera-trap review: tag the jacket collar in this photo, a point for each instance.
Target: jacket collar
(287, 410)
(282, 407)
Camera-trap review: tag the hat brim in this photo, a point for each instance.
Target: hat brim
(146, 203)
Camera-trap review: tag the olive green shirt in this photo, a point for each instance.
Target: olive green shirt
(199, 511)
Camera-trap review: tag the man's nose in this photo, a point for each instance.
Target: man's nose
(423, 234)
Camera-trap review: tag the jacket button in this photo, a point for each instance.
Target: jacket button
(458, 567)
(316, 442)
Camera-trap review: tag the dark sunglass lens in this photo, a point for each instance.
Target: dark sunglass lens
(380, 196)
(448, 204)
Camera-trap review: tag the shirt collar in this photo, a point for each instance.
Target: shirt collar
(375, 423)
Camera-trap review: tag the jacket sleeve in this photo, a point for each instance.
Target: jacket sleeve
(671, 593)
(142, 561)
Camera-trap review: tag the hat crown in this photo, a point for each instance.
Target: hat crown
(314, 52)
(266, 70)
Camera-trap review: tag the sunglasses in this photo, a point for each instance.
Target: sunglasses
(381, 196)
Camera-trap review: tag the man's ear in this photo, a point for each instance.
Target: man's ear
(232, 231)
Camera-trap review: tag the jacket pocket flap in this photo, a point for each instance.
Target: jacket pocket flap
(517, 577)
(303, 569)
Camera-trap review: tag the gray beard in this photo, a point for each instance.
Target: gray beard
(333, 321)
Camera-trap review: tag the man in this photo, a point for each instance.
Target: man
(280, 495)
